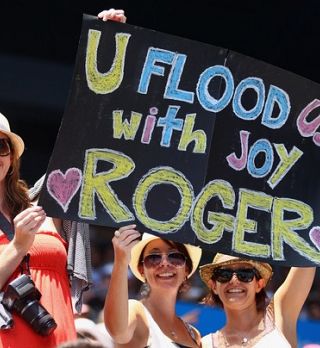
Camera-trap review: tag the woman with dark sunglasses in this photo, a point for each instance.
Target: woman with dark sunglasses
(163, 266)
(238, 285)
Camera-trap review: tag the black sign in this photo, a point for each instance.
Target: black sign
(189, 141)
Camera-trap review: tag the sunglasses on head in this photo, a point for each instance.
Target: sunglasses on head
(5, 148)
(224, 275)
(175, 258)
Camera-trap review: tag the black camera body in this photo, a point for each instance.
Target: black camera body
(23, 297)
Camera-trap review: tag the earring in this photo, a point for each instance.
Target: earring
(185, 286)
(145, 290)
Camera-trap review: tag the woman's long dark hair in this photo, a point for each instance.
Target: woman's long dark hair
(16, 194)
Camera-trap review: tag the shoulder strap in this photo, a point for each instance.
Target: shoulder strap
(210, 340)
(6, 226)
(191, 330)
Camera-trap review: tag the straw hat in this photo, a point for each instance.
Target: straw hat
(220, 260)
(15, 140)
(193, 251)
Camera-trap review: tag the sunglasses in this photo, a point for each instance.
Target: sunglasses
(175, 259)
(224, 275)
(5, 148)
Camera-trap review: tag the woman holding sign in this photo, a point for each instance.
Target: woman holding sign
(163, 266)
(238, 285)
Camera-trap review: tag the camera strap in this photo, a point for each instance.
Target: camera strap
(8, 229)
(24, 265)
(6, 226)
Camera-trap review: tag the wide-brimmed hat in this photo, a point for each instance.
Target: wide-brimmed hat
(193, 251)
(15, 140)
(220, 260)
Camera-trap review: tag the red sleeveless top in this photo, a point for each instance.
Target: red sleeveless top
(48, 259)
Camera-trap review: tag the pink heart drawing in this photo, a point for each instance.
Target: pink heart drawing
(63, 187)
(314, 235)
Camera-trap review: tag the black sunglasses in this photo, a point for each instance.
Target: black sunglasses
(224, 275)
(5, 148)
(175, 258)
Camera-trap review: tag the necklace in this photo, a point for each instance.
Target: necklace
(244, 341)
(173, 334)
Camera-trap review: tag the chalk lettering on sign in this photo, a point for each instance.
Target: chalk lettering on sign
(97, 184)
(248, 156)
(124, 128)
(177, 97)
(149, 126)
(108, 82)
(309, 128)
(283, 230)
(127, 129)
(287, 161)
(249, 83)
(220, 221)
(163, 176)
(63, 187)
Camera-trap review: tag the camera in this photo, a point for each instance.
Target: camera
(22, 297)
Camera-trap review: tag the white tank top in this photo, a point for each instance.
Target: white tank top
(157, 339)
(273, 337)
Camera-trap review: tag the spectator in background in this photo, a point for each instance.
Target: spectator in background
(313, 308)
(95, 297)
(87, 329)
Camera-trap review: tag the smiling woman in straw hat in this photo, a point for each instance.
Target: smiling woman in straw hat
(163, 265)
(238, 284)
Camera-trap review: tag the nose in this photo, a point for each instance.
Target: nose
(234, 278)
(164, 260)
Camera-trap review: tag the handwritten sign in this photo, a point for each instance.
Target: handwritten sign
(189, 141)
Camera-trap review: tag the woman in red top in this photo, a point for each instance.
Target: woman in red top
(25, 230)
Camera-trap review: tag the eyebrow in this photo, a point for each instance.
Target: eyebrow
(157, 250)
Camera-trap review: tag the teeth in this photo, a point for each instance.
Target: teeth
(235, 290)
(166, 275)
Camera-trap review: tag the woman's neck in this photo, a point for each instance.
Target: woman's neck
(160, 304)
(243, 328)
(242, 320)
(162, 308)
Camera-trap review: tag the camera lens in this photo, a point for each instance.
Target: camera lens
(23, 297)
(46, 325)
(37, 316)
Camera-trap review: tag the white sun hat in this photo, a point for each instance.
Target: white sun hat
(15, 140)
